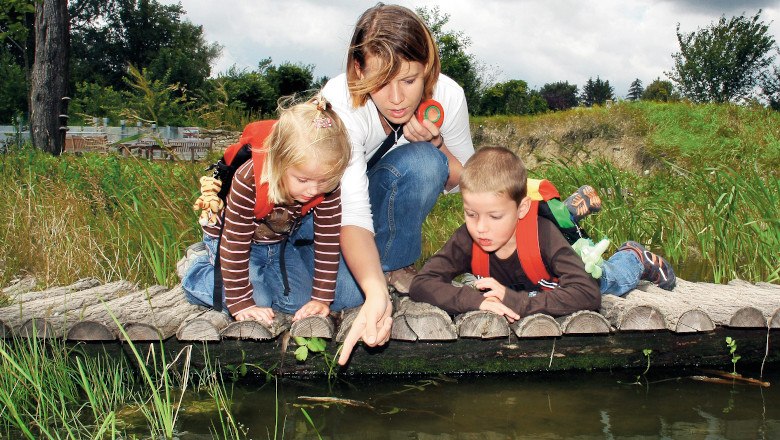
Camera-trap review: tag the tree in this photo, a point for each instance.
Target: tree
(13, 88)
(110, 35)
(559, 95)
(597, 92)
(456, 63)
(635, 90)
(50, 73)
(511, 98)
(289, 79)
(659, 90)
(17, 42)
(724, 61)
(770, 88)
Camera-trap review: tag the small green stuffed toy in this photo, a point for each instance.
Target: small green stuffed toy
(591, 254)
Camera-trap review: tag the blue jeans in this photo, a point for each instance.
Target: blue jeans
(265, 274)
(402, 187)
(621, 273)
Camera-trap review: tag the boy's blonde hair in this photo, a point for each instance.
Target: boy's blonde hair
(392, 34)
(496, 170)
(305, 132)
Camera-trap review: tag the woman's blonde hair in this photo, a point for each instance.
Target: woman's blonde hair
(391, 34)
(305, 132)
(495, 170)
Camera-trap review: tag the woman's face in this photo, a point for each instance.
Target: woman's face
(399, 98)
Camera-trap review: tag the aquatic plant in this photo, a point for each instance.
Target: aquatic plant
(731, 343)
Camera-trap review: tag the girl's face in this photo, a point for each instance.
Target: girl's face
(491, 220)
(306, 181)
(397, 100)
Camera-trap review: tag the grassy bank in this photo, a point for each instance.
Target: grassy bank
(697, 183)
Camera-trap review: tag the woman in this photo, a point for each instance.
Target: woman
(392, 66)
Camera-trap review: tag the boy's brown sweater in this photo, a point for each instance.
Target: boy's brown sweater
(576, 290)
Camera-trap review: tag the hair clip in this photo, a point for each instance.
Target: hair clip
(320, 102)
(323, 122)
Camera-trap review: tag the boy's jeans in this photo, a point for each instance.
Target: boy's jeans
(265, 274)
(403, 187)
(621, 273)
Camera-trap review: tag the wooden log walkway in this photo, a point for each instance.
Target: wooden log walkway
(91, 311)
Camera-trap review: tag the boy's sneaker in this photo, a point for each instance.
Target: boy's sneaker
(193, 251)
(583, 202)
(401, 279)
(657, 269)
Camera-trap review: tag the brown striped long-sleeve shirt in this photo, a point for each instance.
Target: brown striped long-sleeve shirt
(242, 229)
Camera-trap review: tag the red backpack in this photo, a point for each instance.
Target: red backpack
(250, 146)
(544, 199)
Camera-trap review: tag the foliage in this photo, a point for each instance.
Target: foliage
(724, 61)
(659, 90)
(107, 36)
(596, 92)
(153, 100)
(732, 346)
(770, 88)
(511, 98)
(16, 20)
(456, 63)
(95, 101)
(560, 95)
(635, 90)
(13, 88)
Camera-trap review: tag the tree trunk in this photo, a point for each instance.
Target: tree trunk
(50, 73)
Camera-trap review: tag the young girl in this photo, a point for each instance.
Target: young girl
(270, 264)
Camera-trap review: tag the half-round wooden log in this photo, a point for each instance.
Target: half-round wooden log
(748, 317)
(538, 325)
(141, 332)
(90, 331)
(769, 286)
(628, 315)
(203, 325)
(38, 328)
(345, 318)
(256, 330)
(64, 309)
(775, 321)
(82, 284)
(313, 327)
(20, 286)
(694, 321)
(721, 302)
(584, 322)
(413, 321)
(641, 318)
(481, 324)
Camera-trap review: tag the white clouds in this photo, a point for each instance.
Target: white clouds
(533, 40)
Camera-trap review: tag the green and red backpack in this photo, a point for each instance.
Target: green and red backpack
(249, 146)
(545, 202)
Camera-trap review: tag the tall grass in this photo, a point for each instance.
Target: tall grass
(98, 215)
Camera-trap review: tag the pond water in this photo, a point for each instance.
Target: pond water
(583, 405)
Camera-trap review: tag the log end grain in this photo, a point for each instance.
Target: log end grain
(313, 327)
(748, 317)
(536, 326)
(642, 317)
(694, 321)
(90, 331)
(481, 324)
(584, 322)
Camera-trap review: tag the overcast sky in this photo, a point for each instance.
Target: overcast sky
(534, 40)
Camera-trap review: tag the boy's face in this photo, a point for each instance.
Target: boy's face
(491, 220)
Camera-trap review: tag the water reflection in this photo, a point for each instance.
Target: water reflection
(550, 406)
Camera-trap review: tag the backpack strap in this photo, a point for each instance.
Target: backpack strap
(528, 251)
(480, 261)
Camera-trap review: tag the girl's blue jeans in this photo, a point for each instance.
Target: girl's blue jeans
(265, 274)
(403, 187)
(621, 273)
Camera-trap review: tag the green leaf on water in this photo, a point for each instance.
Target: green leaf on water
(299, 340)
(301, 353)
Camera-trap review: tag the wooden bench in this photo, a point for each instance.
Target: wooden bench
(189, 148)
(77, 143)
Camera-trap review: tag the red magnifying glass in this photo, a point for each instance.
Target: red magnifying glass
(432, 111)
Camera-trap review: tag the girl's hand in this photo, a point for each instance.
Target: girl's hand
(311, 308)
(427, 131)
(262, 314)
(491, 287)
(494, 305)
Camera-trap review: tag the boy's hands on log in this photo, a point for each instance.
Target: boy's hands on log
(372, 324)
(493, 304)
(491, 288)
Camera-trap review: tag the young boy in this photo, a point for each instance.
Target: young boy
(495, 201)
